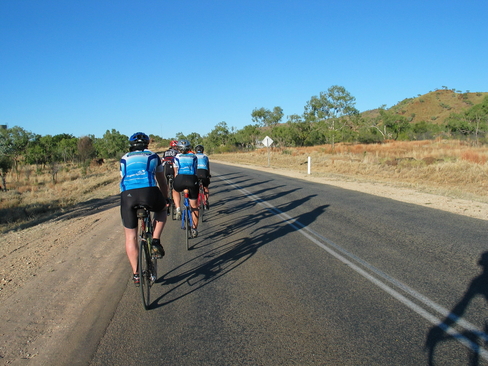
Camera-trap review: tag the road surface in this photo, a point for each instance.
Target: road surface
(284, 272)
(287, 272)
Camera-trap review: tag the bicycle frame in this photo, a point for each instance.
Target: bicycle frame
(186, 218)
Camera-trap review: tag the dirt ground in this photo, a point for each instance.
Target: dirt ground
(32, 256)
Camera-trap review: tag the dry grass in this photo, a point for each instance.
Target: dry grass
(435, 106)
(451, 168)
(33, 194)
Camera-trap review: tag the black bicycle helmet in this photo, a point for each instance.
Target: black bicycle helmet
(184, 146)
(139, 141)
(199, 149)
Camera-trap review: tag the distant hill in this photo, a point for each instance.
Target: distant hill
(434, 106)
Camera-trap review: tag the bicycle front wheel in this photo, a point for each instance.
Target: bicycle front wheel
(154, 269)
(145, 273)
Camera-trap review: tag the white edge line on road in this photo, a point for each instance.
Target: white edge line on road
(309, 234)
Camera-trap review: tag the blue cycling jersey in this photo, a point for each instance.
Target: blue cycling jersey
(186, 164)
(138, 170)
(203, 162)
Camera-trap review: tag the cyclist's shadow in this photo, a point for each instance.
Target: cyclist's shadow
(224, 258)
(438, 334)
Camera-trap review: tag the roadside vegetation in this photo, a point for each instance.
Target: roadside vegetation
(452, 168)
(33, 194)
(436, 142)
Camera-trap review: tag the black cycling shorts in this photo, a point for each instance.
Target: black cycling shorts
(204, 176)
(150, 197)
(168, 169)
(189, 182)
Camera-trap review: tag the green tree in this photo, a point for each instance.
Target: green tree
(67, 148)
(267, 118)
(472, 122)
(218, 137)
(331, 109)
(281, 136)
(48, 149)
(6, 164)
(395, 124)
(180, 136)
(389, 124)
(248, 136)
(34, 153)
(299, 130)
(13, 143)
(195, 139)
(478, 118)
(423, 130)
(113, 144)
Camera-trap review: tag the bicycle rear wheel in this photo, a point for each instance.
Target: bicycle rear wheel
(172, 207)
(173, 210)
(201, 203)
(145, 273)
(187, 228)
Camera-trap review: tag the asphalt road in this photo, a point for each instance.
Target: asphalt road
(289, 272)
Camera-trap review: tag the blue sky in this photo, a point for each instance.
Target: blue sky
(166, 66)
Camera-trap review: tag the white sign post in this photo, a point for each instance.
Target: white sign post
(267, 142)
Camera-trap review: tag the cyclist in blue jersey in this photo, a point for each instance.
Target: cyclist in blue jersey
(203, 170)
(143, 183)
(185, 164)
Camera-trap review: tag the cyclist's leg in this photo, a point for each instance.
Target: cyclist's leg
(195, 213)
(129, 221)
(131, 247)
(158, 206)
(193, 190)
(178, 186)
(176, 198)
(160, 220)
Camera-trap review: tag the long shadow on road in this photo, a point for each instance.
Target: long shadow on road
(230, 251)
(439, 333)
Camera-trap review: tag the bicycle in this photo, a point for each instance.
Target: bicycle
(186, 219)
(171, 207)
(202, 199)
(147, 261)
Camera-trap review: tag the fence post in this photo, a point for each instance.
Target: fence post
(309, 164)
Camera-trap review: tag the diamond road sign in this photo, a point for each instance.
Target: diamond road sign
(267, 141)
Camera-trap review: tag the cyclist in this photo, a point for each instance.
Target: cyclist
(203, 170)
(169, 157)
(142, 172)
(185, 165)
(168, 161)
